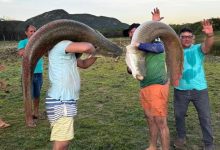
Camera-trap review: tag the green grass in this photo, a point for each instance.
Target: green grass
(109, 114)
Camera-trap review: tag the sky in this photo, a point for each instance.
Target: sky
(127, 11)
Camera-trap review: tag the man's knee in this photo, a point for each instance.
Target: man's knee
(161, 122)
(179, 114)
(149, 118)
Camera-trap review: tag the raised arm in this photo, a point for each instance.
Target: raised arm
(155, 47)
(209, 36)
(156, 15)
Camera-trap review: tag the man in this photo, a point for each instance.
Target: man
(61, 102)
(38, 72)
(154, 88)
(193, 85)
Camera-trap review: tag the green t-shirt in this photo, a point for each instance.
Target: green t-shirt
(156, 71)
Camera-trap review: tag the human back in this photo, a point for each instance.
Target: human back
(63, 73)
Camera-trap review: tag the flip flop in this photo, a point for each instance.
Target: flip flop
(31, 124)
(4, 125)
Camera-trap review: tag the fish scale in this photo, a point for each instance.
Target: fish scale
(49, 35)
(146, 33)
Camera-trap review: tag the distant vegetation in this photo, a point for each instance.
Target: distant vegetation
(196, 27)
(9, 31)
(110, 27)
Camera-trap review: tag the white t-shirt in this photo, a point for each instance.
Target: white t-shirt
(63, 73)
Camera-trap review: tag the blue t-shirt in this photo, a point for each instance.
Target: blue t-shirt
(63, 73)
(39, 66)
(193, 76)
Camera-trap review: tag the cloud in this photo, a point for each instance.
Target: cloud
(6, 1)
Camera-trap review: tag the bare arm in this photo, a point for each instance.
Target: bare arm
(152, 47)
(82, 47)
(85, 63)
(156, 15)
(209, 36)
(21, 52)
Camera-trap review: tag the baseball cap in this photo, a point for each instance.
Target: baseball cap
(133, 25)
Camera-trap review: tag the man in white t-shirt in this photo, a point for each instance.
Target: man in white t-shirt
(61, 101)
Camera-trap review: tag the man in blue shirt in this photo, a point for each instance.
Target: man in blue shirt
(38, 72)
(193, 85)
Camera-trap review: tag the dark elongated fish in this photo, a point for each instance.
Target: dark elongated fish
(48, 36)
(147, 32)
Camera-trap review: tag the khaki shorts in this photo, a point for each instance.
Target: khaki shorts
(62, 129)
(154, 99)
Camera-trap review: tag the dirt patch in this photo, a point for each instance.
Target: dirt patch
(8, 53)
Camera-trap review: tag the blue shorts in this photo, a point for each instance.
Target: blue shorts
(37, 84)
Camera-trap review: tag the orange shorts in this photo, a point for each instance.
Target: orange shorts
(154, 99)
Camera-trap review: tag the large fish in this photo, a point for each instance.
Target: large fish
(49, 35)
(147, 32)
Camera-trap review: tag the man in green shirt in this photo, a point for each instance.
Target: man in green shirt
(154, 88)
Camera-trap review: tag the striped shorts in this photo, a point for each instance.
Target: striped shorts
(60, 108)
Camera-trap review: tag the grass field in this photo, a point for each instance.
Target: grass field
(109, 115)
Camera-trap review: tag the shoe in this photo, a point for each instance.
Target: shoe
(179, 143)
(209, 147)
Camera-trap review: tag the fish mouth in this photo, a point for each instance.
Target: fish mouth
(115, 55)
(112, 52)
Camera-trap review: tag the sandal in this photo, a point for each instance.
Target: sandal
(31, 124)
(4, 125)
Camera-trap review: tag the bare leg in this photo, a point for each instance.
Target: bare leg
(153, 129)
(60, 145)
(164, 132)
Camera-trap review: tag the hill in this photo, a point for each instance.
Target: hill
(110, 27)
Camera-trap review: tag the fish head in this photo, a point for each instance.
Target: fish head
(105, 47)
(135, 60)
